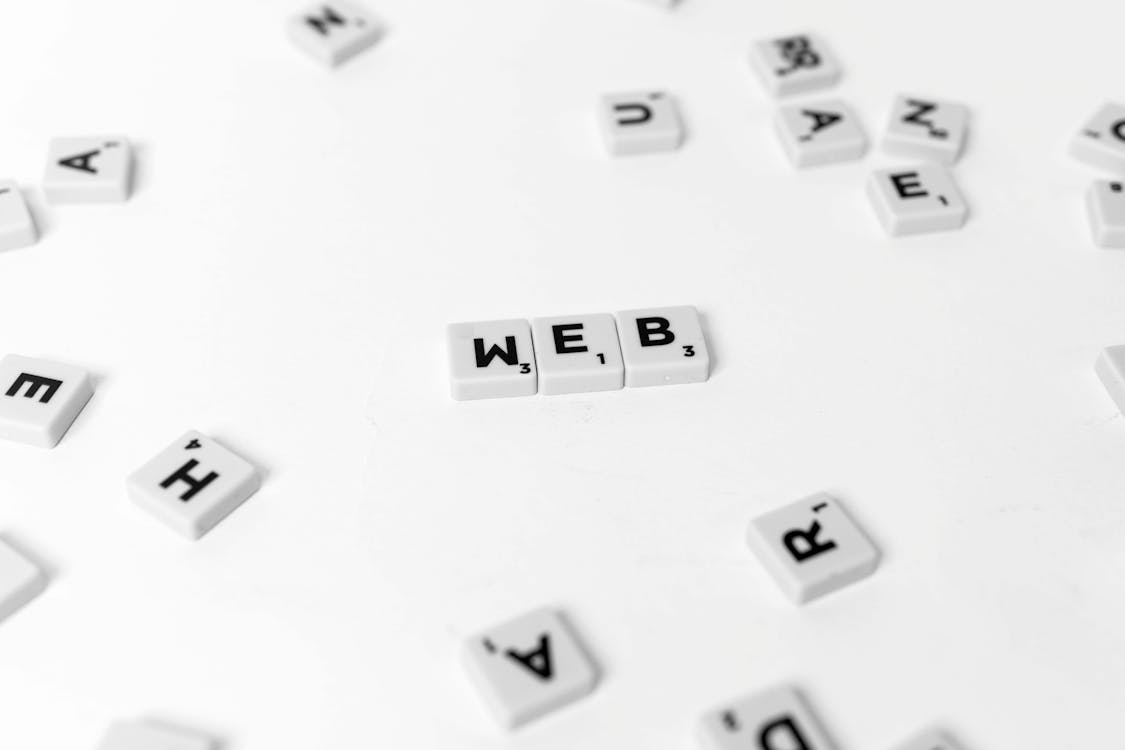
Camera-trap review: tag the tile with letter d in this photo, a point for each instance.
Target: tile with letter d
(640, 122)
(663, 346)
(577, 354)
(821, 132)
(40, 399)
(1105, 206)
(926, 129)
(21, 580)
(1101, 141)
(793, 64)
(334, 32)
(88, 170)
(492, 359)
(17, 228)
(193, 484)
(931, 740)
(153, 735)
(916, 200)
(777, 719)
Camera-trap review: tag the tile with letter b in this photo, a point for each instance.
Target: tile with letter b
(812, 548)
(492, 359)
(1101, 141)
(88, 170)
(21, 580)
(663, 346)
(193, 484)
(334, 32)
(930, 740)
(916, 200)
(577, 354)
(928, 130)
(777, 719)
(1110, 368)
(821, 132)
(640, 122)
(40, 399)
(528, 667)
(17, 228)
(1105, 206)
(794, 64)
(153, 735)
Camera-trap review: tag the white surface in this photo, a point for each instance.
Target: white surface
(770, 719)
(282, 279)
(929, 740)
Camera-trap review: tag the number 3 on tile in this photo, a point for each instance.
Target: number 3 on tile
(524, 368)
(689, 351)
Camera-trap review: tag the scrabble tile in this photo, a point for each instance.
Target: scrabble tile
(151, 735)
(663, 346)
(794, 64)
(17, 228)
(40, 399)
(915, 200)
(931, 740)
(577, 354)
(811, 547)
(528, 667)
(20, 580)
(820, 133)
(1111, 370)
(193, 484)
(88, 170)
(640, 122)
(1101, 142)
(928, 130)
(493, 359)
(334, 32)
(1105, 205)
(777, 719)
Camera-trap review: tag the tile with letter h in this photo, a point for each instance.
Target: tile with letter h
(88, 170)
(794, 64)
(40, 399)
(777, 719)
(153, 735)
(334, 32)
(1101, 141)
(193, 484)
(641, 122)
(926, 129)
(917, 200)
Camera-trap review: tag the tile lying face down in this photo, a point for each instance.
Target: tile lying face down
(916, 200)
(40, 399)
(334, 32)
(929, 130)
(1101, 141)
(794, 64)
(777, 719)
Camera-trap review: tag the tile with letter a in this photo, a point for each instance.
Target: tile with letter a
(152, 735)
(193, 484)
(334, 32)
(40, 399)
(663, 346)
(528, 667)
(916, 200)
(926, 129)
(493, 359)
(931, 740)
(1105, 205)
(778, 719)
(88, 170)
(21, 580)
(820, 133)
(17, 228)
(1101, 141)
(811, 547)
(1111, 371)
(577, 354)
(794, 64)
(640, 122)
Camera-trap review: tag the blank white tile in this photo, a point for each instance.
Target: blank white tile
(930, 740)
(21, 580)
(794, 64)
(491, 359)
(777, 719)
(95, 169)
(193, 484)
(663, 346)
(40, 399)
(1101, 141)
(334, 32)
(17, 228)
(577, 354)
(822, 132)
(528, 667)
(1105, 207)
(930, 130)
(640, 122)
(812, 548)
(916, 200)
(1110, 368)
(152, 735)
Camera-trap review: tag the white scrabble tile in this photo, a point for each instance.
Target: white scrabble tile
(151, 735)
(916, 200)
(1111, 371)
(492, 359)
(640, 122)
(528, 667)
(577, 354)
(1101, 141)
(20, 580)
(777, 719)
(663, 346)
(334, 32)
(931, 740)
(928, 130)
(17, 228)
(193, 484)
(811, 547)
(821, 132)
(1105, 205)
(88, 170)
(794, 64)
(40, 399)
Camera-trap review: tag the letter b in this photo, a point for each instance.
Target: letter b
(655, 331)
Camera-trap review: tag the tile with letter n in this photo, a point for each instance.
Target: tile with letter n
(193, 484)
(577, 354)
(528, 666)
(929, 130)
(916, 200)
(334, 32)
(153, 735)
(40, 399)
(493, 359)
(640, 122)
(88, 170)
(777, 719)
(1101, 141)
(930, 740)
(794, 64)
(663, 346)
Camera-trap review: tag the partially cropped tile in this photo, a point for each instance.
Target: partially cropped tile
(491, 359)
(1105, 207)
(40, 399)
(17, 228)
(21, 580)
(1101, 141)
(777, 719)
(1110, 368)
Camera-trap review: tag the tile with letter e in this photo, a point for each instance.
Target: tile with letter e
(663, 346)
(492, 359)
(40, 399)
(334, 32)
(528, 667)
(926, 129)
(193, 484)
(21, 580)
(1105, 205)
(577, 354)
(1111, 371)
(811, 548)
(777, 719)
(88, 170)
(794, 64)
(1101, 141)
(931, 740)
(916, 200)
(152, 735)
(640, 122)
(17, 228)
(820, 133)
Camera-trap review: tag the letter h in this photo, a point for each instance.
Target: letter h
(183, 474)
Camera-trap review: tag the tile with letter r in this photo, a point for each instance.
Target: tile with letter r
(794, 64)
(916, 200)
(88, 170)
(822, 132)
(21, 580)
(334, 32)
(40, 399)
(491, 359)
(153, 735)
(1101, 141)
(776, 719)
(663, 346)
(640, 122)
(577, 354)
(930, 130)
(1105, 207)
(17, 228)
(929, 740)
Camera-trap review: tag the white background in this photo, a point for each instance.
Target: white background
(298, 241)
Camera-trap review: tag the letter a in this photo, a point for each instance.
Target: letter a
(538, 661)
(821, 120)
(81, 161)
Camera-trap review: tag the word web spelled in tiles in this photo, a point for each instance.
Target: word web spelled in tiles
(1101, 142)
(811, 547)
(916, 200)
(931, 740)
(17, 228)
(926, 129)
(820, 133)
(153, 735)
(777, 719)
(335, 32)
(640, 123)
(88, 170)
(21, 580)
(40, 399)
(794, 64)
(1105, 205)
(529, 666)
